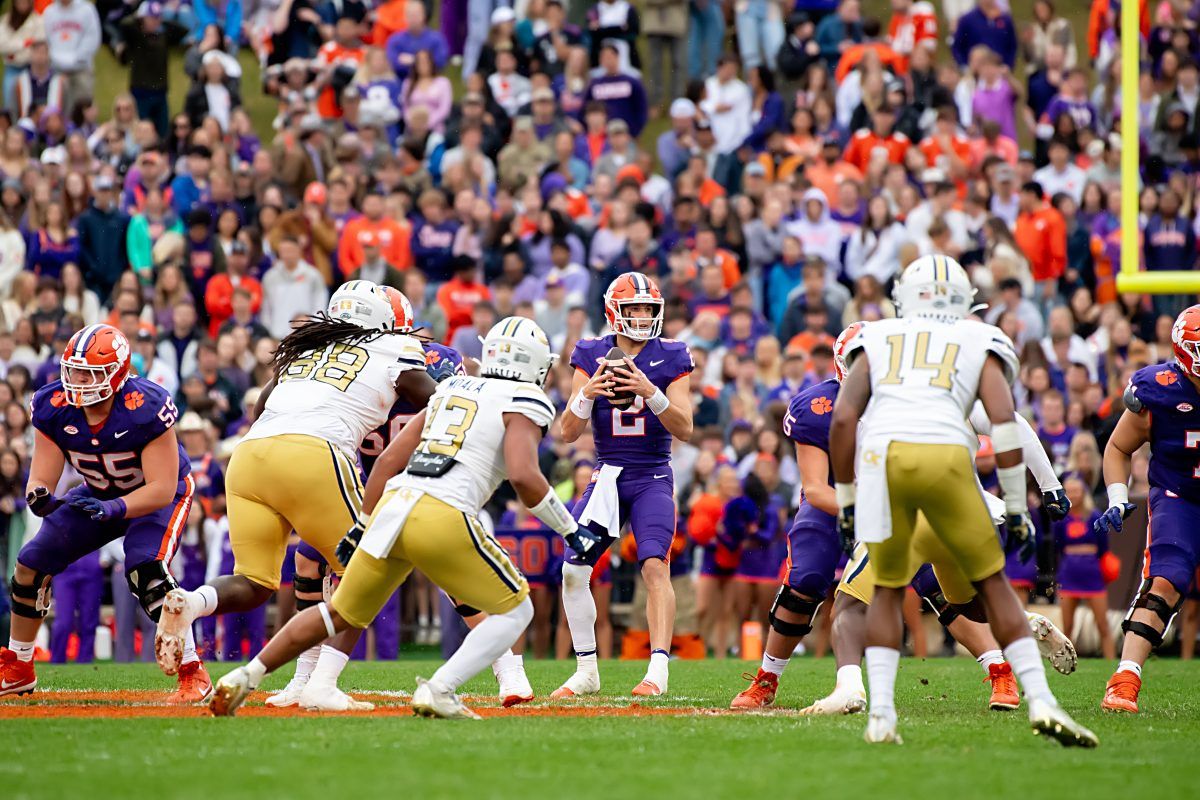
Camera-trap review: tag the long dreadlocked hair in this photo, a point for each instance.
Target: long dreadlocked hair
(319, 331)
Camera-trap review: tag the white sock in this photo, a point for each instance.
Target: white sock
(203, 600)
(580, 608)
(305, 664)
(659, 668)
(24, 650)
(486, 642)
(988, 658)
(329, 664)
(774, 665)
(1125, 666)
(256, 669)
(882, 664)
(189, 647)
(423, 621)
(850, 679)
(1026, 663)
(508, 660)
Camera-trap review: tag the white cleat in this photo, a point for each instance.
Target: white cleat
(514, 687)
(288, 696)
(1052, 643)
(881, 729)
(173, 622)
(431, 700)
(230, 692)
(582, 682)
(842, 701)
(324, 696)
(1050, 720)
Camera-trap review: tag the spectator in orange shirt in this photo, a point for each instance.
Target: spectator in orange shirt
(881, 135)
(913, 25)
(218, 296)
(707, 252)
(389, 19)
(992, 142)
(853, 54)
(830, 171)
(394, 237)
(345, 50)
(947, 149)
(1041, 234)
(459, 295)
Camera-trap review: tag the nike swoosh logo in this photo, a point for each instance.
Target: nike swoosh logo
(7, 685)
(119, 435)
(659, 476)
(656, 363)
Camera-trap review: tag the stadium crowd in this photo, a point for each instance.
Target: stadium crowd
(772, 165)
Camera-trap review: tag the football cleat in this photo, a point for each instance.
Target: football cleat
(433, 701)
(514, 687)
(1050, 720)
(230, 692)
(319, 695)
(1005, 695)
(582, 682)
(842, 701)
(1121, 693)
(648, 688)
(16, 676)
(194, 685)
(760, 693)
(1052, 643)
(173, 622)
(289, 695)
(881, 729)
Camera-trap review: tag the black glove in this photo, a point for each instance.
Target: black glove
(1019, 537)
(1056, 504)
(42, 503)
(845, 526)
(582, 540)
(349, 543)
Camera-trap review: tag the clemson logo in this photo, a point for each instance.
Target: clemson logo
(134, 400)
(1165, 377)
(58, 399)
(821, 405)
(432, 357)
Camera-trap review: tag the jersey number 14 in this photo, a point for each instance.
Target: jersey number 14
(944, 369)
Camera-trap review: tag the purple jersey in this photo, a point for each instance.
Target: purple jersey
(110, 458)
(1082, 112)
(440, 362)
(809, 415)
(1058, 445)
(1166, 394)
(634, 436)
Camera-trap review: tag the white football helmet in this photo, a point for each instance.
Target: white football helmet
(517, 349)
(369, 305)
(934, 287)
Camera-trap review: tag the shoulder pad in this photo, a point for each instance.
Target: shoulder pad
(1131, 400)
(673, 344)
(1000, 345)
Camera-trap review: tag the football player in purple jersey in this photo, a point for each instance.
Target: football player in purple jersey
(117, 431)
(1162, 408)
(633, 483)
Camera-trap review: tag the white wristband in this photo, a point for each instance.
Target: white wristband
(552, 512)
(582, 406)
(658, 402)
(1118, 494)
(1012, 485)
(845, 494)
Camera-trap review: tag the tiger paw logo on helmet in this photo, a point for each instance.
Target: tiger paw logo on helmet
(134, 400)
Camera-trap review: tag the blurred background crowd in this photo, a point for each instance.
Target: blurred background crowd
(200, 173)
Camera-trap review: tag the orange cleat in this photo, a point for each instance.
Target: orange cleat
(647, 688)
(761, 692)
(1121, 694)
(16, 676)
(1005, 696)
(194, 685)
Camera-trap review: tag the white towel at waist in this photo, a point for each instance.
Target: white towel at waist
(603, 505)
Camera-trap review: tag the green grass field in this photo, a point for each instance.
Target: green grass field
(954, 747)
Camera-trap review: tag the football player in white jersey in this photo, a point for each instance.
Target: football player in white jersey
(336, 378)
(474, 433)
(921, 374)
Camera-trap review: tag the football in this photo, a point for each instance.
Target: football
(616, 358)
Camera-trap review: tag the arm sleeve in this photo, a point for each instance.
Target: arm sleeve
(1036, 460)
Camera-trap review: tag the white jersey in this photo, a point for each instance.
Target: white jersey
(339, 394)
(925, 378)
(464, 424)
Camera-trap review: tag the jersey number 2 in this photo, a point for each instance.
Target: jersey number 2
(635, 428)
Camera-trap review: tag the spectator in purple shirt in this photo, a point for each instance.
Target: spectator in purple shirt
(623, 95)
(987, 24)
(402, 47)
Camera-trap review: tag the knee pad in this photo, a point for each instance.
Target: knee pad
(319, 586)
(946, 613)
(1148, 600)
(39, 592)
(788, 598)
(576, 577)
(150, 583)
